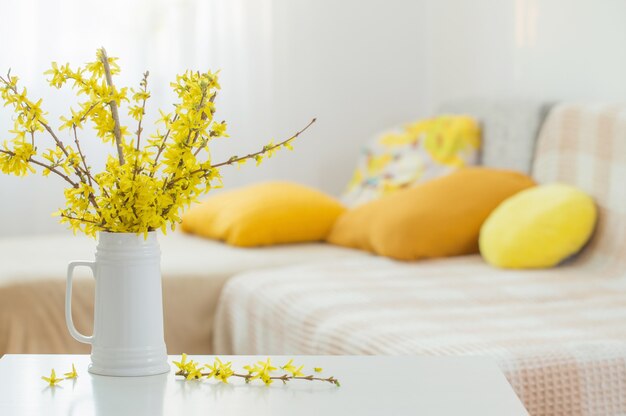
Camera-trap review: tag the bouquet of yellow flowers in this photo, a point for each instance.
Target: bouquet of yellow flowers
(149, 180)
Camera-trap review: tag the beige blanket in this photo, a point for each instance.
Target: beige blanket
(33, 321)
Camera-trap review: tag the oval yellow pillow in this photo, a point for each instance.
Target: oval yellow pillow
(538, 228)
(264, 214)
(441, 217)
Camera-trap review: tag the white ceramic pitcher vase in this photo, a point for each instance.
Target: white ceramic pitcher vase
(127, 337)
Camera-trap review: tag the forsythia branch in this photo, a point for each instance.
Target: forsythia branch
(145, 186)
(113, 105)
(265, 149)
(262, 370)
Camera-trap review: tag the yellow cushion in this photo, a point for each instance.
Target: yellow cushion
(264, 214)
(538, 228)
(438, 218)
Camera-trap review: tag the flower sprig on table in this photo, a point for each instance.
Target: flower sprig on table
(147, 181)
(53, 380)
(262, 370)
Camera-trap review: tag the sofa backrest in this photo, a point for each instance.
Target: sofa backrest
(509, 129)
(585, 145)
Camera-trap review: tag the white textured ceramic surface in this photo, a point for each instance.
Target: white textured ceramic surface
(128, 313)
(389, 386)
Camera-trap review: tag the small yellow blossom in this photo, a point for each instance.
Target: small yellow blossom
(264, 372)
(266, 365)
(72, 374)
(220, 371)
(261, 370)
(288, 145)
(297, 372)
(213, 369)
(219, 129)
(182, 364)
(52, 380)
(193, 372)
(251, 369)
(270, 149)
(290, 368)
(188, 368)
(318, 369)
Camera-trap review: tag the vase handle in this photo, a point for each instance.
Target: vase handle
(68, 300)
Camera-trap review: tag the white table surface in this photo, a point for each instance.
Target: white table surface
(369, 386)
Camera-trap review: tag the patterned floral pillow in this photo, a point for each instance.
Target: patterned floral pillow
(416, 153)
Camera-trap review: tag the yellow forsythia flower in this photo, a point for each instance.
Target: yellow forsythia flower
(220, 371)
(182, 364)
(72, 374)
(193, 372)
(52, 380)
(290, 368)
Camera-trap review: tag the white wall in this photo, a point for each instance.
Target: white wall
(357, 65)
(548, 49)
